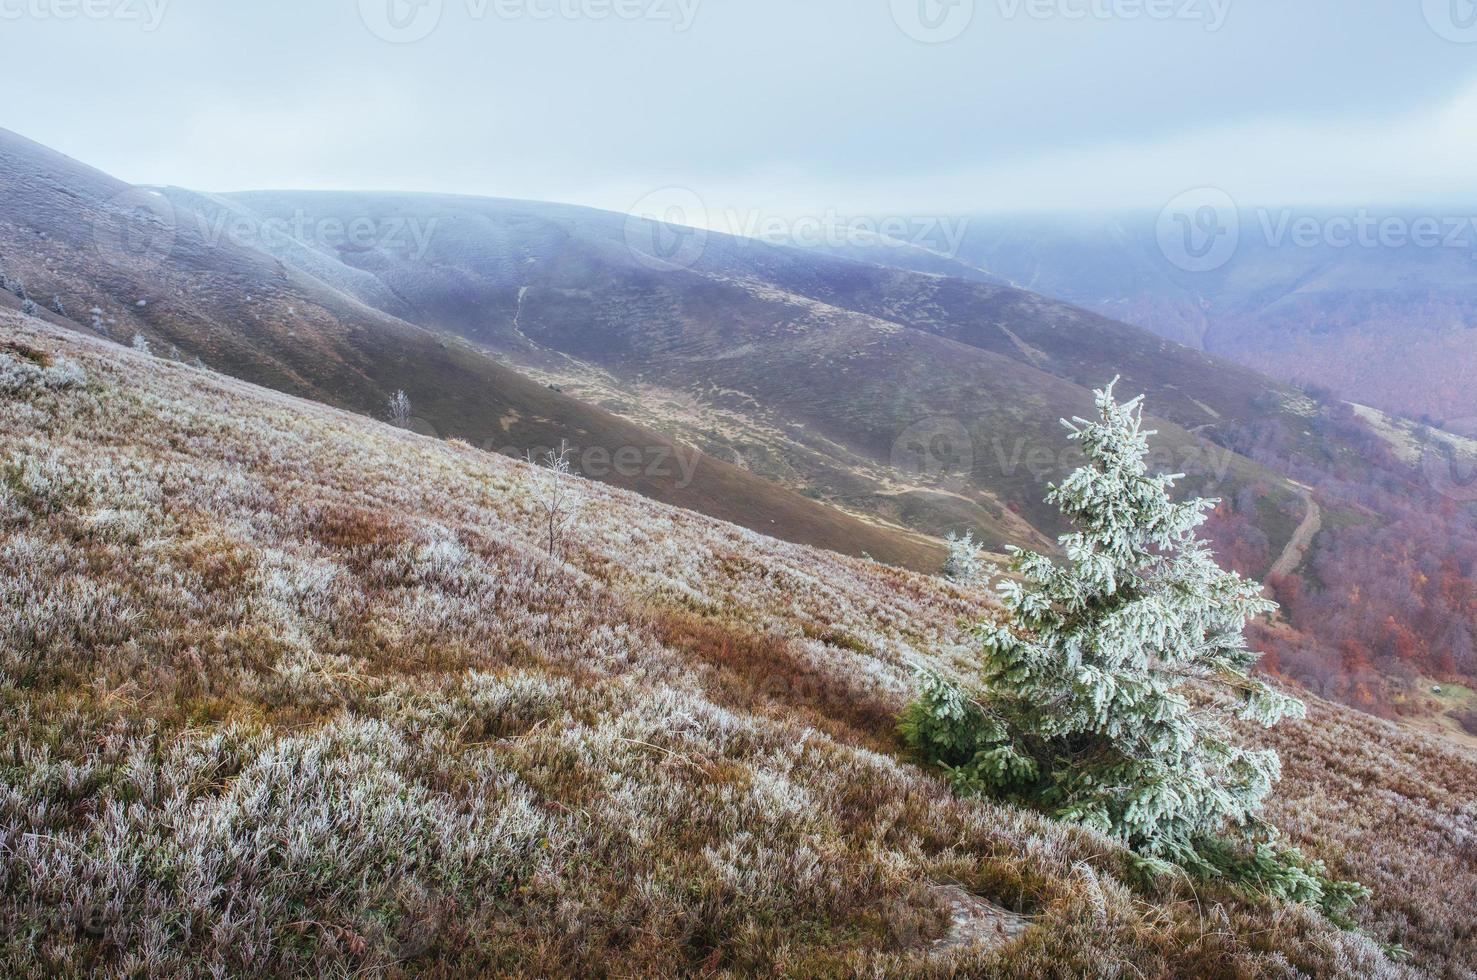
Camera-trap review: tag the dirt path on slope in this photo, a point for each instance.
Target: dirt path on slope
(1302, 539)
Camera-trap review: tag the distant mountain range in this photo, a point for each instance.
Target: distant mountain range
(1377, 304)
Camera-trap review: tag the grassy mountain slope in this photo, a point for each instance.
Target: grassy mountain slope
(193, 280)
(288, 690)
(922, 399)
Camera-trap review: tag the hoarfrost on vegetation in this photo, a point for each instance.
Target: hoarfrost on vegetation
(288, 694)
(1086, 707)
(19, 373)
(966, 563)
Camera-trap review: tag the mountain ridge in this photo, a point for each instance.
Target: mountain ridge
(805, 338)
(100, 243)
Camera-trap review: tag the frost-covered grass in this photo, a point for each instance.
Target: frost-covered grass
(284, 691)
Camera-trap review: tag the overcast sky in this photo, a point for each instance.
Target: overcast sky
(789, 106)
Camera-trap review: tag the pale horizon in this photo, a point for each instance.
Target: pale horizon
(1054, 105)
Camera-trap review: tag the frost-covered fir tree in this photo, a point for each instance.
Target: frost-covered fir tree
(399, 410)
(1105, 686)
(966, 563)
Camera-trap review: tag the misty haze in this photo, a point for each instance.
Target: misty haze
(655, 488)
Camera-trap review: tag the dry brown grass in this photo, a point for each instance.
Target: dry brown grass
(287, 692)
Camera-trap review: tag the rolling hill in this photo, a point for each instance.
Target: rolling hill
(906, 396)
(291, 691)
(189, 281)
(912, 404)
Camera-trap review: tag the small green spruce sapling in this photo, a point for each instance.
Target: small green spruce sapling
(1086, 709)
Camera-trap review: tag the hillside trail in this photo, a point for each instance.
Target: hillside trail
(1302, 539)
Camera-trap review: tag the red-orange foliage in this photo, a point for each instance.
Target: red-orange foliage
(1390, 589)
